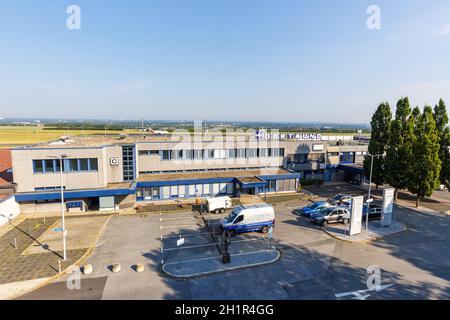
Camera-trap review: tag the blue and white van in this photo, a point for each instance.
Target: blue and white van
(249, 218)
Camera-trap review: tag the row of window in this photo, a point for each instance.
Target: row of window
(214, 153)
(206, 170)
(69, 165)
(206, 190)
(184, 191)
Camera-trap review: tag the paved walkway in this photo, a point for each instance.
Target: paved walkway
(375, 232)
(20, 266)
(203, 267)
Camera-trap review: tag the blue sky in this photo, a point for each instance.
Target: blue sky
(256, 60)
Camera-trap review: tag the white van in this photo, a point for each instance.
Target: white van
(219, 204)
(249, 218)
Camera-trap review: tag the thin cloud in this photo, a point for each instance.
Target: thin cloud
(129, 87)
(445, 31)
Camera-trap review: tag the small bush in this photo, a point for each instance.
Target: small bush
(311, 182)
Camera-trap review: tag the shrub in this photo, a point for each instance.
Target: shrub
(311, 182)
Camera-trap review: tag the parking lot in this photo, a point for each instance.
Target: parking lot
(413, 265)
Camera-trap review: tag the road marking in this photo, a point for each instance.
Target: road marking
(167, 219)
(186, 235)
(361, 294)
(182, 226)
(191, 247)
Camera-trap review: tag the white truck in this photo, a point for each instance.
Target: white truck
(219, 204)
(249, 218)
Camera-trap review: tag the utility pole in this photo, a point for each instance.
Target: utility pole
(64, 231)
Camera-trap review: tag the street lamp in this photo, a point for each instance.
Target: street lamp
(64, 232)
(369, 200)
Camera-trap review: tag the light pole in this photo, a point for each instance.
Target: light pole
(64, 232)
(369, 200)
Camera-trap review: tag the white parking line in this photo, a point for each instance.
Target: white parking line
(191, 247)
(182, 226)
(170, 219)
(186, 235)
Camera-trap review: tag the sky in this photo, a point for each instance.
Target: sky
(252, 60)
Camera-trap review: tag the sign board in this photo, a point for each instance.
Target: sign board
(356, 215)
(317, 147)
(263, 135)
(180, 242)
(270, 232)
(58, 229)
(114, 161)
(388, 207)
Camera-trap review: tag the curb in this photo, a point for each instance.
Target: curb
(364, 241)
(200, 274)
(65, 271)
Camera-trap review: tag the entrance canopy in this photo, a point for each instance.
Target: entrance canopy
(251, 182)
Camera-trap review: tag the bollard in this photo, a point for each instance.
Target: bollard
(15, 243)
(139, 267)
(59, 266)
(87, 269)
(44, 222)
(115, 268)
(29, 232)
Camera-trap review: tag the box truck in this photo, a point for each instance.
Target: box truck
(219, 204)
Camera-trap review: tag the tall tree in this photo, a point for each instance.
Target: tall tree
(441, 118)
(381, 126)
(445, 166)
(399, 151)
(426, 166)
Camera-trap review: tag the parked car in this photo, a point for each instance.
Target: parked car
(331, 215)
(249, 218)
(375, 212)
(338, 199)
(347, 204)
(313, 208)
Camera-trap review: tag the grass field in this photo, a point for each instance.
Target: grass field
(12, 136)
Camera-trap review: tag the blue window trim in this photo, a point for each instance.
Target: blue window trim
(66, 165)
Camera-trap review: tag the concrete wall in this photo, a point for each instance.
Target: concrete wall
(9, 209)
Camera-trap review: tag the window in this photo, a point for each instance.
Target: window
(174, 191)
(49, 166)
(241, 153)
(93, 164)
(262, 153)
(250, 153)
(198, 154)
(239, 219)
(38, 168)
(192, 190)
(73, 165)
(84, 164)
(166, 155)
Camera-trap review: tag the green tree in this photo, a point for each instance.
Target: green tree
(381, 126)
(399, 151)
(426, 166)
(441, 118)
(445, 166)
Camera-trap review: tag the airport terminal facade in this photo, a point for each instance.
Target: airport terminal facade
(116, 172)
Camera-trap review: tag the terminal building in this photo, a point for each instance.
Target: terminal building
(125, 171)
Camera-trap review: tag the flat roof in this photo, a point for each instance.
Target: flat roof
(212, 174)
(98, 140)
